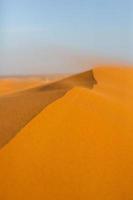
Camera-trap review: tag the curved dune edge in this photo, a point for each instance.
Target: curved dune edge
(18, 109)
(79, 147)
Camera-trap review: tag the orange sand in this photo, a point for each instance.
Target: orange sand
(11, 85)
(16, 84)
(16, 110)
(115, 82)
(79, 147)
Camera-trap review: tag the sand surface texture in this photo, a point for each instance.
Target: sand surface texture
(17, 109)
(79, 147)
(12, 85)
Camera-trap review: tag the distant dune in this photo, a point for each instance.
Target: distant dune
(17, 109)
(79, 147)
(9, 85)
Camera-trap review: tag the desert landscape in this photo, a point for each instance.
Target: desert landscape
(10, 85)
(68, 139)
(66, 100)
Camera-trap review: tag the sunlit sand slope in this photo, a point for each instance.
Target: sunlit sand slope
(18, 109)
(79, 147)
(115, 82)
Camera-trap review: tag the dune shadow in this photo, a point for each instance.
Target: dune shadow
(18, 109)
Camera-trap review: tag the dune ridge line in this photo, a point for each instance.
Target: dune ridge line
(19, 108)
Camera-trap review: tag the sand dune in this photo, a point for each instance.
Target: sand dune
(116, 82)
(18, 109)
(9, 85)
(79, 147)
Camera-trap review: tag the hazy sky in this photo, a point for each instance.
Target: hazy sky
(48, 36)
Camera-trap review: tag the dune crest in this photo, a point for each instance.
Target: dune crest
(79, 147)
(18, 109)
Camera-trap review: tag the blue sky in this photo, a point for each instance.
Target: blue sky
(48, 36)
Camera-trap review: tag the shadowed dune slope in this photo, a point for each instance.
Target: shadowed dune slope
(18, 109)
(79, 147)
